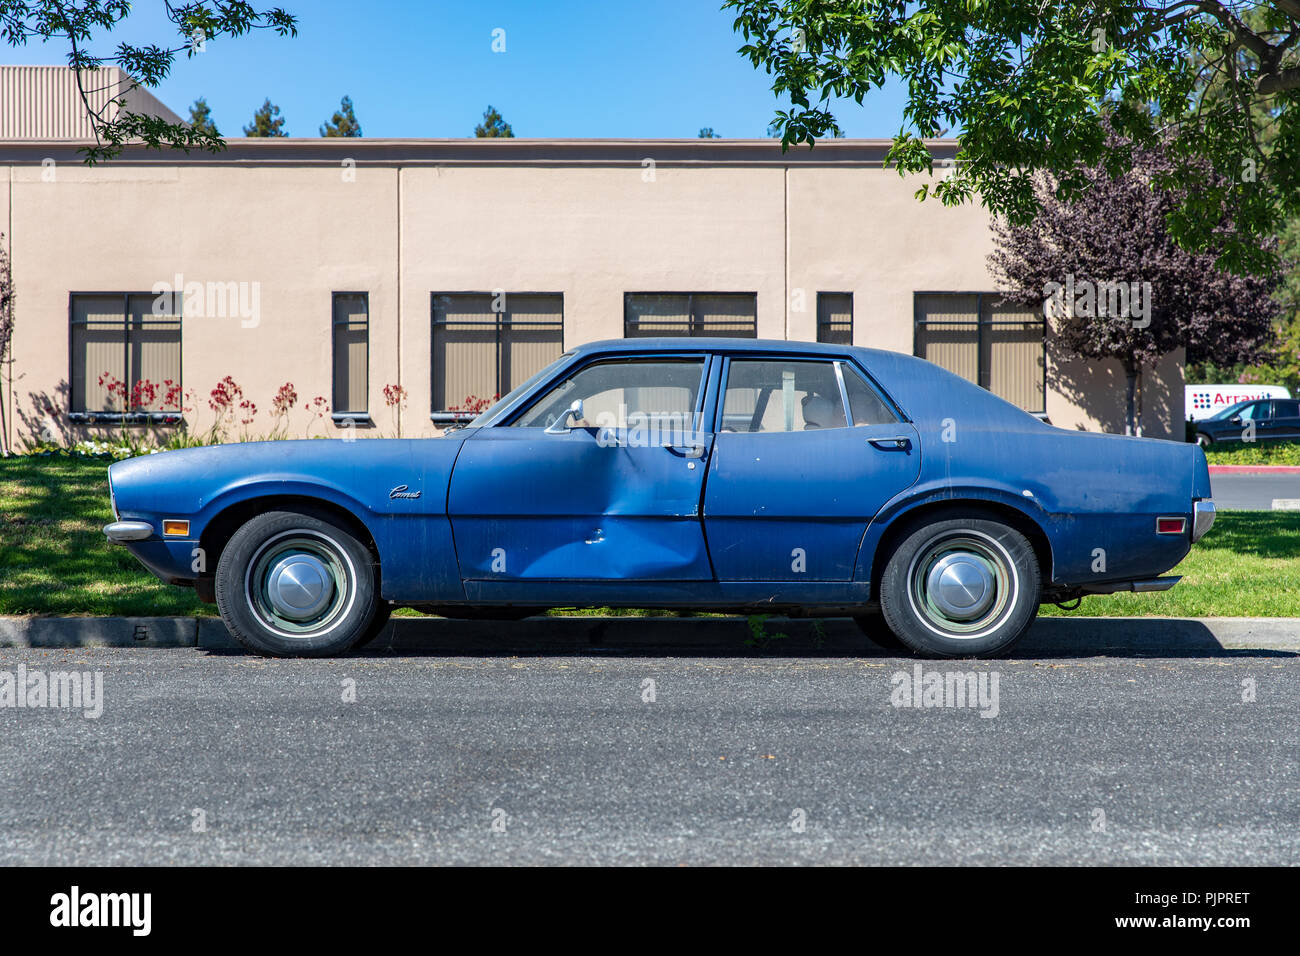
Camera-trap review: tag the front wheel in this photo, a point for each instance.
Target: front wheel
(297, 585)
(1203, 440)
(964, 586)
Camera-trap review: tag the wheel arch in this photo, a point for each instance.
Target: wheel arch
(219, 529)
(936, 510)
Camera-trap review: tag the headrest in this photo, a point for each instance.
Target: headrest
(818, 412)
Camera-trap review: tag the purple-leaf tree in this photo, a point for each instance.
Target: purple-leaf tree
(1115, 284)
(6, 336)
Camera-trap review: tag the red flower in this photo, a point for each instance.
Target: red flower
(143, 394)
(225, 395)
(284, 399)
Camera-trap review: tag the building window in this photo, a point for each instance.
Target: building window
(835, 317)
(351, 353)
(727, 314)
(484, 344)
(995, 344)
(125, 354)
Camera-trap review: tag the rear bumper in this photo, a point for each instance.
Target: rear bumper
(1203, 518)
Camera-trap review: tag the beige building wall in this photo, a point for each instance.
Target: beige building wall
(401, 220)
(293, 236)
(863, 231)
(592, 234)
(1093, 396)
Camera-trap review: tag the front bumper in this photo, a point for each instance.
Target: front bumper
(120, 531)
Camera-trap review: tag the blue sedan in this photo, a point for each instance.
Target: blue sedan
(709, 474)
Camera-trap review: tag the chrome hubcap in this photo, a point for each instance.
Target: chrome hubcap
(300, 583)
(299, 586)
(961, 585)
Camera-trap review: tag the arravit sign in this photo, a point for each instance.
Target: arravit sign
(1202, 401)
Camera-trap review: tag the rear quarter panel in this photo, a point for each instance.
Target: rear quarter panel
(1095, 496)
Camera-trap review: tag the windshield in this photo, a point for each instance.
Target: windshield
(520, 389)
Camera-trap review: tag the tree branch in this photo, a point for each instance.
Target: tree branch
(1247, 37)
(1290, 7)
(1282, 80)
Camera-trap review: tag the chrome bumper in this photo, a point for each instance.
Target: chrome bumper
(128, 531)
(1204, 515)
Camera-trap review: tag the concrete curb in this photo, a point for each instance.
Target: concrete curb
(1255, 469)
(98, 631)
(1052, 636)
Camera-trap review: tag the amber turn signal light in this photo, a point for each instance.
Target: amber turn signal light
(176, 527)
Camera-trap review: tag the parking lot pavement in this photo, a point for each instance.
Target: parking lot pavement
(1255, 492)
(620, 756)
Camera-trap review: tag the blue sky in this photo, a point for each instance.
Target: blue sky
(571, 68)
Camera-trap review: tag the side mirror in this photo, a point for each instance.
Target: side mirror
(1235, 420)
(562, 424)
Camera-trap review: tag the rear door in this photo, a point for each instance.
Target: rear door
(794, 479)
(1285, 423)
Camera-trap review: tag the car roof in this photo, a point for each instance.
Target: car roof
(717, 344)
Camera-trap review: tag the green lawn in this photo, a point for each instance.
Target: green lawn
(55, 560)
(1258, 453)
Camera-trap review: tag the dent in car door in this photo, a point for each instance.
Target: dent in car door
(789, 498)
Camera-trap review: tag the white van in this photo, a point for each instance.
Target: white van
(1202, 401)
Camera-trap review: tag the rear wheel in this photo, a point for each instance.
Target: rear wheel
(297, 585)
(963, 586)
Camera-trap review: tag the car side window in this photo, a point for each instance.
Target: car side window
(781, 395)
(660, 393)
(1286, 409)
(865, 406)
(1254, 412)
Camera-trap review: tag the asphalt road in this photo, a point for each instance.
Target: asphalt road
(562, 752)
(1253, 492)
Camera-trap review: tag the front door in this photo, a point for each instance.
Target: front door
(792, 484)
(612, 493)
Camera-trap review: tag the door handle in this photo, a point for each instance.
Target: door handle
(687, 451)
(885, 444)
